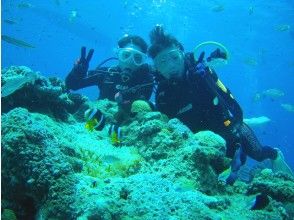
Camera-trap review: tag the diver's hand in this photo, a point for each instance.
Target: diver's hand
(217, 54)
(82, 64)
(157, 34)
(201, 68)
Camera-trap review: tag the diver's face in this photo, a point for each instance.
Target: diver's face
(130, 57)
(170, 63)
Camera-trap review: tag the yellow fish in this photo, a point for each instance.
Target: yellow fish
(115, 134)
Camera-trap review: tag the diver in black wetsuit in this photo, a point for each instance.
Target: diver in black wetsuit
(190, 91)
(130, 80)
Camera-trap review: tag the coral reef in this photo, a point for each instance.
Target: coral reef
(277, 185)
(56, 169)
(32, 162)
(24, 88)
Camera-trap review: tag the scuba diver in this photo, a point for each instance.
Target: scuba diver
(130, 80)
(188, 89)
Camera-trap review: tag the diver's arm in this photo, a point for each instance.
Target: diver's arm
(148, 86)
(78, 77)
(75, 81)
(203, 74)
(228, 98)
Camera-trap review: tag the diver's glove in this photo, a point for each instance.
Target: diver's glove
(81, 66)
(217, 54)
(201, 68)
(157, 34)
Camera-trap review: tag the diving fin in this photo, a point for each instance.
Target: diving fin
(280, 165)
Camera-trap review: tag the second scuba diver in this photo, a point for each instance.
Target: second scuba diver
(191, 91)
(130, 80)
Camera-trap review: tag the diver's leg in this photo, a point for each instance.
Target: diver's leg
(234, 151)
(255, 150)
(238, 160)
(252, 147)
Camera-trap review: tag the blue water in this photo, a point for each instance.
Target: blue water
(247, 28)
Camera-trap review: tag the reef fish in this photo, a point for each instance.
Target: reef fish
(251, 10)
(288, 107)
(257, 120)
(16, 42)
(218, 8)
(73, 15)
(94, 119)
(273, 94)
(250, 61)
(10, 21)
(25, 5)
(283, 27)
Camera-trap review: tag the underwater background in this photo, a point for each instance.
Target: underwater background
(258, 34)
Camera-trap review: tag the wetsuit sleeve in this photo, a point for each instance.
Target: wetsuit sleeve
(231, 104)
(146, 91)
(200, 74)
(75, 81)
(142, 87)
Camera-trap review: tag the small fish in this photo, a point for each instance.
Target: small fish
(94, 119)
(110, 159)
(257, 121)
(288, 107)
(251, 10)
(273, 94)
(10, 21)
(260, 202)
(250, 61)
(73, 15)
(283, 27)
(25, 5)
(224, 175)
(115, 135)
(16, 42)
(218, 8)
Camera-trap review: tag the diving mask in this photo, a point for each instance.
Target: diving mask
(170, 64)
(128, 54)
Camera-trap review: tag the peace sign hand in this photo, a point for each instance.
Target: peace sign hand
(81, 66)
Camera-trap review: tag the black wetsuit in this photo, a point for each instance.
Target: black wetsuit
(111, 81)
(200, 103)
